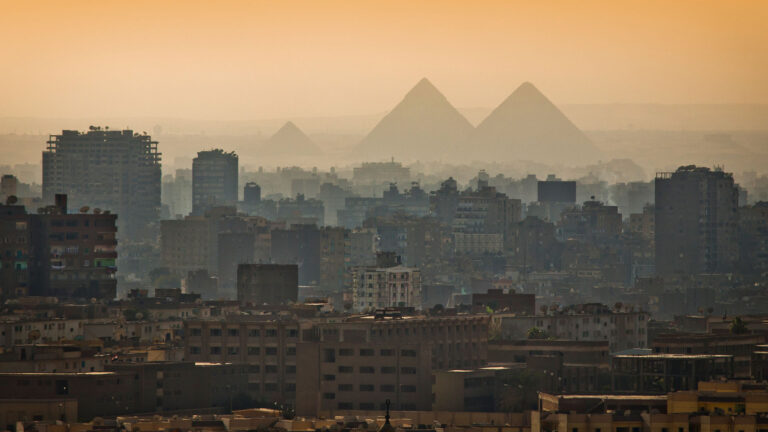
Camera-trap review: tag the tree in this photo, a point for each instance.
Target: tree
(537, 333)
(738, 326)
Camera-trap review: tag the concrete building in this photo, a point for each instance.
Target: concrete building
(486, 211)
(379, 288)
(662, 373)
(56, 253)
(468, 390)
(696, 221)
(593, 222)
(305, 362)
(554, 190)
(590, 322)
(117, 171)
(9, 186)
(301, 211)
(214, 180)
(267, 283)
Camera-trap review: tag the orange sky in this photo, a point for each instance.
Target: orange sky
(253, 59)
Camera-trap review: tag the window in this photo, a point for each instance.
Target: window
(366, 406)
(232, 350)
(329, 355)
(408, 353)
(345, 405)
(345, 369)
(254, 350)
(215, 332)
(194, 350)
(408, 388)
(329, 396)
(196, 331)
(290, 369)
(367, 387)
(408, 370)
(293, 333)
(290, 387)
(346, 352)
(366, 352)
(366, 369)
(345, 387)
(291, 351)
(387, 352)
(387, 388)
(233, 332)
(254, 369)
(253, 333)
(215, 350)
(329, 377)
(270, 369)
(270, 351)
(271, 332)
(272, 387)
(388, 369)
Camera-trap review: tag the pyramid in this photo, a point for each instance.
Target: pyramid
(290, 140)
(424, 125)
(527, 126)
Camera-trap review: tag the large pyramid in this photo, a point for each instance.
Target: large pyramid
(424, 125)
(290, 140)
(527, 126)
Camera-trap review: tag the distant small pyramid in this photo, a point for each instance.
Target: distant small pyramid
(423, 125)
(291, 140)
(527, 126)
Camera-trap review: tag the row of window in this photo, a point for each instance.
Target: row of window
(270, 351)
(234, 332)
(404, 388)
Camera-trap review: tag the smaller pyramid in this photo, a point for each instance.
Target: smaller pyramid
(290, 140)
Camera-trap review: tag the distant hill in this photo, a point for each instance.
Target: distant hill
(527, 126)
(290, 140)
(424, 125)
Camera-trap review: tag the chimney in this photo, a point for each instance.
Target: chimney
(61, 203)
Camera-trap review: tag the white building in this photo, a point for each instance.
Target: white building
(376, 288)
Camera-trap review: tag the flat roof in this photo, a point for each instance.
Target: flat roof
(673, 356)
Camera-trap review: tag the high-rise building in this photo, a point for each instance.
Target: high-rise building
(696, 221)
(117, 171)
(214, 180)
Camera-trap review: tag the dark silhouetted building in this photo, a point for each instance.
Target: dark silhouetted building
(553, 190)
(696, 221)
(214, 180)
(267, 283)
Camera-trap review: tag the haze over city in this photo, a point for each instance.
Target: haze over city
(345, 216)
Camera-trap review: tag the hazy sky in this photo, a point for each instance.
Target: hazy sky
(253, 59)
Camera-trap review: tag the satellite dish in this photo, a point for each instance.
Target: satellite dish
(97, 211)
(12, 199)
(84, 209)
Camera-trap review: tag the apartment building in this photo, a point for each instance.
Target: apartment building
(117, 171)
(298, 361)
(378, 288)
(623, 329)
